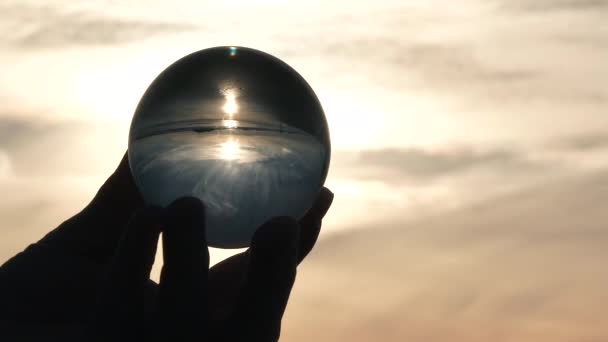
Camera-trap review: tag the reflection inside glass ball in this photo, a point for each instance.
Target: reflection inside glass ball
(238, 129)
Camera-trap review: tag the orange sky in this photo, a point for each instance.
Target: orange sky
(469, 143)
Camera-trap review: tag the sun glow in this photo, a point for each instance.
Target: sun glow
(230, 107)
(230, 149)
(95, 87)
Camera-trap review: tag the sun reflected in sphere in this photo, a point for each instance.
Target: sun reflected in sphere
(237, 128)
(230, 149)
(230, 107)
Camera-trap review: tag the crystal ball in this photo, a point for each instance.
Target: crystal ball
(237, 128)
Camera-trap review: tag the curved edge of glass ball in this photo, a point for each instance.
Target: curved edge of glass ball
(213, 74)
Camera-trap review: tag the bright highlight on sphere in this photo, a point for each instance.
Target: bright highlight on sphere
(237, 128)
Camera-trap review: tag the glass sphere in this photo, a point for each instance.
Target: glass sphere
(237, 128)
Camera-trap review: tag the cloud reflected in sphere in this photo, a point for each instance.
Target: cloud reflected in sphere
(237, 128)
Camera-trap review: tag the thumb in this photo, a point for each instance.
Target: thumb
(97, 229)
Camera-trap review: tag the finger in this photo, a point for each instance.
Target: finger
(227, 277)
(311, 222)
(97, 229)
(226, 281)
(272, 271)
(183, 283)
(310, 226)
(121, 301)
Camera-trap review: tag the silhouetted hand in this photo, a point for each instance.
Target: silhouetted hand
(90, 276)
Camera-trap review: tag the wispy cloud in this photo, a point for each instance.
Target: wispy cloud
(5, 165)
(556, 5)
(418, 165)
(46, 148)
(497, 58)
(51, 27)
(511, 269)
(584, 142)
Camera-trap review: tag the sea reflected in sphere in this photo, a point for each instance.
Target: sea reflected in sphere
(238, 129)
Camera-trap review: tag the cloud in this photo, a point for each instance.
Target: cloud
(5, 165)
(528, 266)
(556, 5)
(399, 165)
(46, 148)
(496, 58)
(446, 62)
(584, 142)
(49, 27)
(392, 61)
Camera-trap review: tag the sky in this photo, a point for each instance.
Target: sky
(468, 149)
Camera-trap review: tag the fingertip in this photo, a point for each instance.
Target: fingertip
(325, 190)
(279, 230)
(186, 212)
(324, 201)
(276, 242)
(184, 238)
(184, 233)
(321, 205)
(311, 222)
(186, 206)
